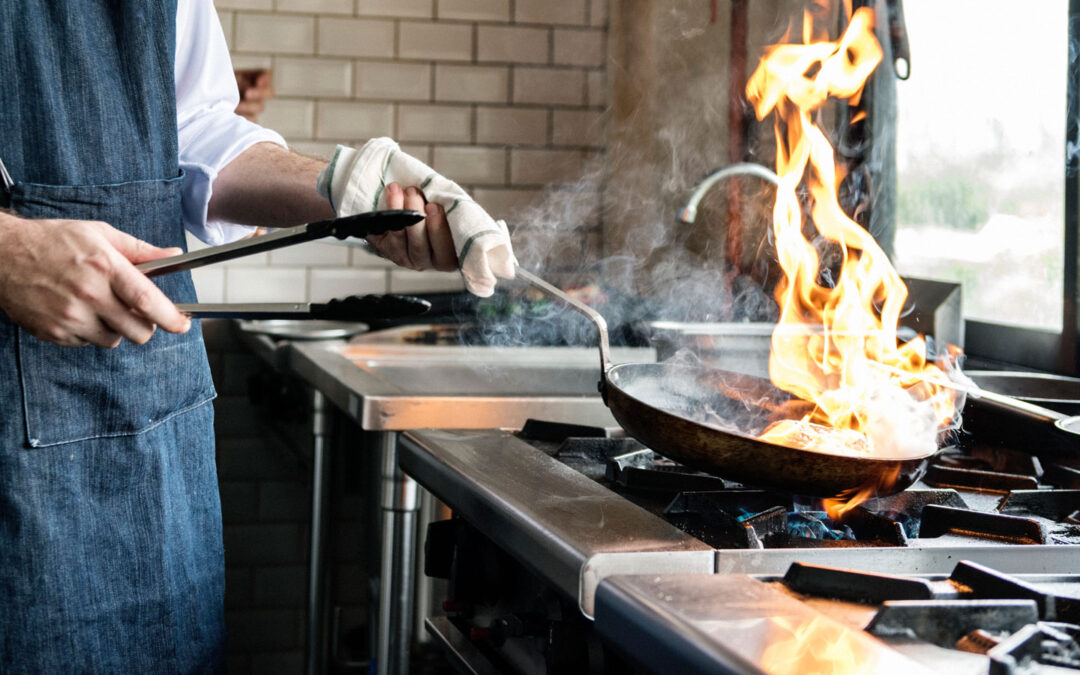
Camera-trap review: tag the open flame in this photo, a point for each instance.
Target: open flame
(836, 344)
(815, 646)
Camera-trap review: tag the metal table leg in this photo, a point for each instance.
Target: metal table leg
(399, 504)
(424, 585)
(316, 633)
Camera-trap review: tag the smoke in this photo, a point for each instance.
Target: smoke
(898, 425)
(668, 270)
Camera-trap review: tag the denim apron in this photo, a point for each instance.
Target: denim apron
(110, 526)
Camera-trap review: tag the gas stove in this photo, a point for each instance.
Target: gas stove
(972, 496)
(606, 531)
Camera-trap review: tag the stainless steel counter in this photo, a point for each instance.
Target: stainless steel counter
(401, 387)
(559, 522)
(749, 623)
(387, 387)
(733, 624)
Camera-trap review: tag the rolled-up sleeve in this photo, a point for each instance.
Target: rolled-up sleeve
(211, 134)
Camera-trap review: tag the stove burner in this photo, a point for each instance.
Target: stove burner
(906, 507)
(761, 526)
(874, 526)
(1062, 476)
(942, 520)
(976, 479)
(644, 470)
(989, 583)
(724, 514)
(1052, 504)
(591, 455)
(731, 518)
(543, 430)
(1015, 624)
(852, 585)
(1003, 460)
(1051, 644)
(809, 526)
(945, 622)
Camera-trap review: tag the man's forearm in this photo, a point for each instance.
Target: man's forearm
(270, 186)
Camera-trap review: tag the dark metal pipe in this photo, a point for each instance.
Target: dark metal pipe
(737, 130)
(1070, 347)
(316, 632)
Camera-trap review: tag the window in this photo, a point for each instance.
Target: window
(981, 138)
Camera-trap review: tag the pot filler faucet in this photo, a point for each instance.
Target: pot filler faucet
(689, 212)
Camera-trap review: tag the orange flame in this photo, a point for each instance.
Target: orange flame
(814, 646)
(849, 499)
(836, 344)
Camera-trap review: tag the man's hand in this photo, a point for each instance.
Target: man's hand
(256, 86)
(74, 282)
(425, 245)
(358, 180)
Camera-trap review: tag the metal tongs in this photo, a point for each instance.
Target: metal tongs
(352, 308)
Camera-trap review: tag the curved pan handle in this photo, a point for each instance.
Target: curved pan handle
(589, 312)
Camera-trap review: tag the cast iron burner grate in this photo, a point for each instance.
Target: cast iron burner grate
(977, 609)
(980, 494)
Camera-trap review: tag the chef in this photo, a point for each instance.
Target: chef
(117, 132)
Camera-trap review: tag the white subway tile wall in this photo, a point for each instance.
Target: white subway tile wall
(506, 97)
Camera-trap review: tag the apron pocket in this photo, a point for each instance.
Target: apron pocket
(73, 394)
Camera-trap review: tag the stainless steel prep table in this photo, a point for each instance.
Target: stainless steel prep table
(387, 387)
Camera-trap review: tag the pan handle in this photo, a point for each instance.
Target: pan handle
(1017, 407)
(589, 312)
(1010, 421)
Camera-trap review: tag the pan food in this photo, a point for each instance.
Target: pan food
(679, 411)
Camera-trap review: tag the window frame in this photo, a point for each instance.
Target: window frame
(1030, 347)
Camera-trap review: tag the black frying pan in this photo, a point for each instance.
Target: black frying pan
(997, 419)
(673, 410)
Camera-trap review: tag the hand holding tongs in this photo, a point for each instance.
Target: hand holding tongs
(360, 225)
(353, 308)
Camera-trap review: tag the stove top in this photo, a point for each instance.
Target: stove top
(688, 572)
(817, 619)
(974, 496)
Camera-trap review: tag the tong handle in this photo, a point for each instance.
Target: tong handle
(353, 308)
(359, 225)
(368, 307)
(363, 224)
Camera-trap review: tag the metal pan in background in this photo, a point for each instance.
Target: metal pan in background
(996, 419)
(668, 407)
(1056, 392)
(293, 329)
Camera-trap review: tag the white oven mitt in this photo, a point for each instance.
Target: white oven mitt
(355, 180)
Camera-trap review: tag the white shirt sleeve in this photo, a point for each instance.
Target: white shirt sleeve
(210, 134)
